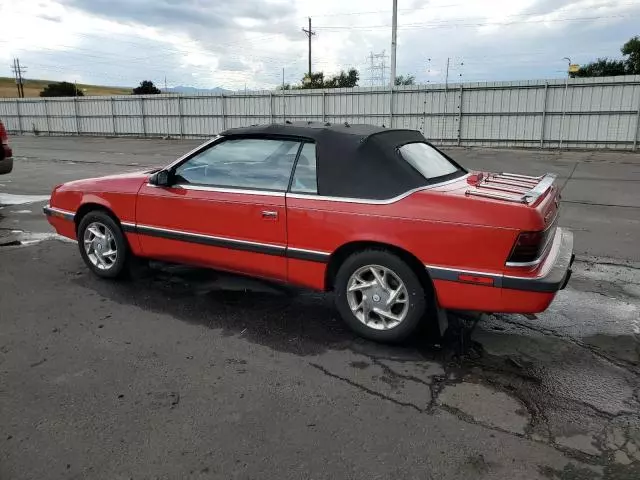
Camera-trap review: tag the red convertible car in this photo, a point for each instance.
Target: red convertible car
(385, 220)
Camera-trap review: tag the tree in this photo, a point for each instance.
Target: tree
(342, 80)
(402, 80)
(316, 80)
(146, 87)
(61, 89)
(631, 49)
(603, 67)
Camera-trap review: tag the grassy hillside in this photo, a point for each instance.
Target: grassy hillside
(32, 88)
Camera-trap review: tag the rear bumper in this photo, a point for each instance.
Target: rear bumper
(6, 165)
(526, 292)
(557, 269)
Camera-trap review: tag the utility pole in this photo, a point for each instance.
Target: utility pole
(14, 68)
(394, 42)
(18, 71)
(309, 34)
(446, 80)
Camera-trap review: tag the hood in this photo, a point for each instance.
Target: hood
(124, 183)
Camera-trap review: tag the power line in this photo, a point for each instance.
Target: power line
(431, 7)
(449, 24)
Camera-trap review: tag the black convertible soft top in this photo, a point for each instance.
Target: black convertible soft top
(356, 161)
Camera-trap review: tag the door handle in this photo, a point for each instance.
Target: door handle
(269, 214)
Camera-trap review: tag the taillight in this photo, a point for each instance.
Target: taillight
(4, 138)
(530, 246)
(4, 141)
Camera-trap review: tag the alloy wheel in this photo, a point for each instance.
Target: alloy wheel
(100, 246)
(377, 297)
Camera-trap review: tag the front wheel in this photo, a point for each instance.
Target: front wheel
(102, 245)
(379, 296)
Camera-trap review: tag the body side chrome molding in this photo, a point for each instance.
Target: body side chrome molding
(304, 196)
(211, 240)
(231, 243)
(58, 212)
(309, 255)
(204, 188)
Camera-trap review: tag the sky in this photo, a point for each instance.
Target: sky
(247, 43)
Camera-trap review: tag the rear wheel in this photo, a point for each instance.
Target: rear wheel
(379, 296)
(102, 245)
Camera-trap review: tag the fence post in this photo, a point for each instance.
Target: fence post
(224, 112)
(166, 100)
(75, 111)
(113, 116)
(564, 110)
(391, 107)
(180, 116)
(324, 112)
(19, 117)
(444, 113)
(544, 113)
(284, 107)
(637, 134)
(460, 117)
(142, 115)
(271, 107)
(46, 116)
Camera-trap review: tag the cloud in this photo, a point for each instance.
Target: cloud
(184, 13)
(233, 43)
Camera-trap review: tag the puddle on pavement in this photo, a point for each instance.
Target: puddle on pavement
(15, 238)
(12, 199)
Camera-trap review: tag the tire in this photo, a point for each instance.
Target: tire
(105, 266)
(356, 273)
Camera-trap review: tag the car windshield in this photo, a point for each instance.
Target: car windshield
(427, 160)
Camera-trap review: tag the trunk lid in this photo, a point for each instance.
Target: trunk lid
(511, 187)
(537, 198)
(539, 193)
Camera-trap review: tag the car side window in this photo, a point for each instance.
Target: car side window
(252, 163)
(305, 179)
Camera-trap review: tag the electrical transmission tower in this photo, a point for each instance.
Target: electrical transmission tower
(18, 71)
(377, 68)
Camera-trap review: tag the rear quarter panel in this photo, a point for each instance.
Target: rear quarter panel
(434, 227)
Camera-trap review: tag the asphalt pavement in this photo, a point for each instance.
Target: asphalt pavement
(189, 373)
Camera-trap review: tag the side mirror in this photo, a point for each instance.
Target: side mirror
(163, 178)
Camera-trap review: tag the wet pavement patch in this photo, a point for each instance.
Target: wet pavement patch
(9, 238)
(12, 199)
(486, 406)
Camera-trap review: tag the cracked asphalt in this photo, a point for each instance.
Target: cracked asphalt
(190, 373)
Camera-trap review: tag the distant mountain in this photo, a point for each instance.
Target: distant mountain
(195, 91)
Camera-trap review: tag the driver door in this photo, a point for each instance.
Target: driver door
(226, 209)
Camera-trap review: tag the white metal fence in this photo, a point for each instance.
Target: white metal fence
(578, 113)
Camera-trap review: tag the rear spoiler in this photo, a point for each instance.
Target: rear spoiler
(503, 186)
